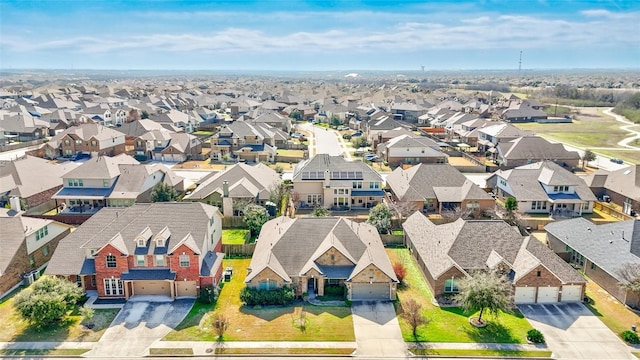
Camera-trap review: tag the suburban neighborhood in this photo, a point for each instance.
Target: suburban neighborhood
(328, 213)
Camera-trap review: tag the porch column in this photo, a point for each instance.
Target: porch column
(126, 285)
(320, 289)
(172, 286)
(580, 213)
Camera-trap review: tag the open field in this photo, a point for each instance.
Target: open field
(325, 323)
(451, 324)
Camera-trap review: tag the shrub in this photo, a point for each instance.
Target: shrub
(630, 337)
(281, 296)
(207, 294)
(334, 290)
(140, 158)
(535, 336)
(400, 271)
(47, 301)
(279, 169)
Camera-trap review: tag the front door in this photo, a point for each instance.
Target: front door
(311, 285)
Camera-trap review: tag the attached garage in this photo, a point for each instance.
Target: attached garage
(571, 293)
(151, 287)
(186, 288)
(367, 291)
(525, 295)
(547, 295)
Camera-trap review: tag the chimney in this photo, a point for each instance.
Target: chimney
(225, 188)
(15, 203)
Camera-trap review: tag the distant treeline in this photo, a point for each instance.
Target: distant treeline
(630, 108)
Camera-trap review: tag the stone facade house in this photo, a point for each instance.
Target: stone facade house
(449, 252)
(310, 254)
(530, 149)
(144, 249)
(92, 139)
(411, 149)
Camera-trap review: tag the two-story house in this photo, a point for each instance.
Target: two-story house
(490, 136)
(407, 111)
(333, 182)
(544, 188)
(529, 149)
(411, 149)
(621, 187)
(249, 141)
(93, 139)
(274, 119)
(144, 249)
(175, 118)
(111, 181)
(27, 245)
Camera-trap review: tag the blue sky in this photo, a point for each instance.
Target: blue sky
(319, 35)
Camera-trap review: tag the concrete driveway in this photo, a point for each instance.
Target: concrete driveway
(377, 330)
(139, 324)
(573, 332)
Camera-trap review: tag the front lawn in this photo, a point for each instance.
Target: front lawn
(325, 323)
(234, 236)
(15, 329)
(483, 352)
(451, 324)
(291, 153)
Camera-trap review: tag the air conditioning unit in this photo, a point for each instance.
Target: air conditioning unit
(29, 278)
(606, 198)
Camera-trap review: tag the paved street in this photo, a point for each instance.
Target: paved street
(14, 154)
(573, 332)
(323, 141)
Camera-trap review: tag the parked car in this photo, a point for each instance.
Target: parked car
(371, 157)
(346, 136)
(357, 133)
(296, 135)
(343, 128)
(617, 161)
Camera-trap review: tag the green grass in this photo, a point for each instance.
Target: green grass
(207, 133)
(631, 114)
(325, 323)
(234, 236)
(553, 110)
(397, 232)
(323, 125)
(636, 354)
(483, 352)
(284, 351)
(41, 352)
(170, 351)
(452, 324)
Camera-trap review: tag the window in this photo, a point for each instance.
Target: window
(113, 287)
(503, 182)
(66, 142)
(79, 281)
(267, 285)
(93, 143)
(357, 184)
(538, 205)
(451, 285)
(111, 261)
(140, 261)
(561, 188)
(184, 260)
(473, 205)
(75, 182)
(538, 273)
(78, 142)
(374, 185)
(32, 261)
(45, 250)
(314, 199)
(105, 183)
(160, 260)
(340, 201)
(594, 266)
(141, 243)
(41, 233)
(341, 191)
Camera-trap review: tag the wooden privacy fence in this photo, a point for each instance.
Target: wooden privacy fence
(392, 240)
(238, 249)
(233, 222)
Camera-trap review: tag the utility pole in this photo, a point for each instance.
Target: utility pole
(520, 63)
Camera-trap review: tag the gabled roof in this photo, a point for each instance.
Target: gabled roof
(101, 167)
(257, 180)
(625, 181)
(535, 148)
(292, 245)
(118, 243)
(31, 175)
(189, 242)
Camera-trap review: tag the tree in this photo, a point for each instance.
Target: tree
(47, 301)
(254, 217)
(359, 142)
(412, 313)
(335, 120)
(163, 193)
(380, 217)
(511, 205)
(145, 114)
(295, 115)
(588, 156)
(484, 291)
(630, 277)
(220, 326)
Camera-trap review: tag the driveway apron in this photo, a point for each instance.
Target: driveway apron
(377, 330)
(138, 325)
(573, 332)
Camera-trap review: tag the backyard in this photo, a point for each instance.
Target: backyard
(324, 323)
(15, 329)
(451, 324)
(609, 310)
(234, 236)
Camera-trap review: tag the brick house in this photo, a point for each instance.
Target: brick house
(621, 187)
(530, 149)
(433, 188)
(411, 149)
(27, 245)
(144, 249)
(93, 139)
(600, 251)
(310, 254)
(449, 252)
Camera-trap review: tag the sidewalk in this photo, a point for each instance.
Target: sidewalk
(477, 346)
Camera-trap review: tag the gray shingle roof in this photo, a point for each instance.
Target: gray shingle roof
(181, 218)
(324, 162)
(288, 246)
(535, 148)
(260, 179)
(609, 246)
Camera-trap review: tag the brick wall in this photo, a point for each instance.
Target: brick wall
(191, 273)
(607, 282)
(546, 278)
(437, 285)
(41, 197)
(620, 199)
(103, 272)
(19, 264)
(264, 275)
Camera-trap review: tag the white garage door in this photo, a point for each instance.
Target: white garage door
(571, 293)
(548, 295)
(366, 291)
(525, 295)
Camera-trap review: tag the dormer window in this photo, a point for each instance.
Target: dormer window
(141, 242)
(159, 242)
(161, 238)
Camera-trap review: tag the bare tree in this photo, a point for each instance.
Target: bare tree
(412, 313)
(630, 275)
(456, 213)
(220, 326)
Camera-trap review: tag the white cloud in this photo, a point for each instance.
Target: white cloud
(405, 33)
